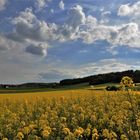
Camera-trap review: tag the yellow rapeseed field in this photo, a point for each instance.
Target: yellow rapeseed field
(83, 114)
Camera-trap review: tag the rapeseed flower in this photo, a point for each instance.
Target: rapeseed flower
(20, 135)
(78, 132)
(66, 131)
(126, 81)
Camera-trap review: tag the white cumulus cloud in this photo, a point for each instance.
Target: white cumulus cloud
(2, 4)
(124, 10)
(126, 34)
(69, 30)
(76, 16)
(29, 27)
(127, 9)
(89, 29)
(40, 4)
(61, 5)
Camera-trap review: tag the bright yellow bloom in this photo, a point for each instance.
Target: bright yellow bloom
(63, 119)
(66, 131)
(126, 105)
(20, 135)
(26, 130)
(78, 132)
(123, 137)
(87, 132)
(93, 118)
(105, 133)
(138, 122)
(32, 126)
(23, 123)
(95, 136)
(126, 81)
(46, 132)
(94, 131)
(113, 135)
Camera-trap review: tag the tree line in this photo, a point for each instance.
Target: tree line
(113, 77)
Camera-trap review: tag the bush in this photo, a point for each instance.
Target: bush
(112, 88)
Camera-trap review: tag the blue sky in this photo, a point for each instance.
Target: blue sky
(50, 40)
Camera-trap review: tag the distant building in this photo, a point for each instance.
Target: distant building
(6, 86)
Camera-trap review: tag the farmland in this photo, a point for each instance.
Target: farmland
(69, 114)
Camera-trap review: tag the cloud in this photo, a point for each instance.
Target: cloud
(12, 71)
(53, 75)
(91, 21)
(15, 37)
(2, 4)
(29, 27)
(6, 44)
(127, 9)
(40, 50)
(52, 11)
(125, 34)
(26, 16)
(25, 42)
(76, 17)
(106, 13)
(101, 66)
(124, 10)
(95, 31)
(3, 44)
(83, 51)
(89, 29)
(40, 4)
(31, 31)
(61, 5)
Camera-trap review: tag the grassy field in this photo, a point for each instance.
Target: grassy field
(70, 87)
(85, 113)
(27, 90)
